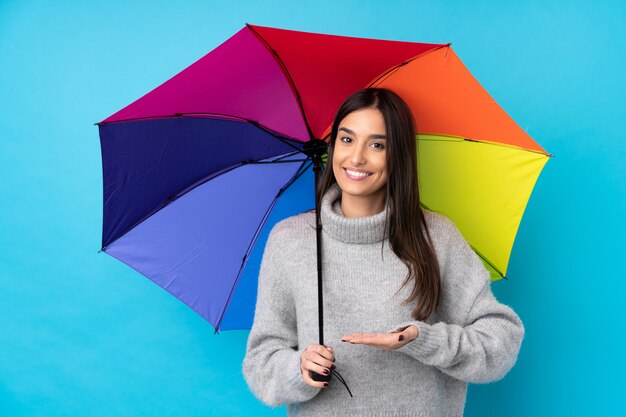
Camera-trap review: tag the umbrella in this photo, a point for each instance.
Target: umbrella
(198, 170)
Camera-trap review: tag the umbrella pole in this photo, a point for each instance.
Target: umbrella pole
(318, 239)
(316, 150)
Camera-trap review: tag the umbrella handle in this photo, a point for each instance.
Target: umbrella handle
(318, 377)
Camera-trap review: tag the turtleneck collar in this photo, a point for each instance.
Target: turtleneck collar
(368, 229)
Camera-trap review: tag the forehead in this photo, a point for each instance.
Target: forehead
(366, 120)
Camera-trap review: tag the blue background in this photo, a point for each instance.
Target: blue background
(83, 334)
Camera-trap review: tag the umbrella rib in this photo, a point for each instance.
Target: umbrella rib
(280, 159)
(480, 255)
(172, 198)
(487, 261)
(246, 256)
(446, 138)
(393, 69)
(288, 76)
(298, 175)
(286, 140)
(185, 191)
(273, 162)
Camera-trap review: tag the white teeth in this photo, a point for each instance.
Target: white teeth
(357, 174)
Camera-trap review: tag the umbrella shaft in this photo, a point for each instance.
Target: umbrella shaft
(320, 305)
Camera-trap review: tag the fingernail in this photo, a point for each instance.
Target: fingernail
(401, 338)
(333, 367)
(329, 348)
(343, 340)
(326, 371)
(325, 384)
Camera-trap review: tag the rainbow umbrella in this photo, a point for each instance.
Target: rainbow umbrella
(197, 171)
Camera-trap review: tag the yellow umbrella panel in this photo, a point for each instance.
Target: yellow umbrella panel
(482, 187)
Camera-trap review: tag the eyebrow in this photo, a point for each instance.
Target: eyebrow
(372, 136)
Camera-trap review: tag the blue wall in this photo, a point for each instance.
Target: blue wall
(83, 334)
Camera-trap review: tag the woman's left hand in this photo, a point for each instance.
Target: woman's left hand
(386, 341)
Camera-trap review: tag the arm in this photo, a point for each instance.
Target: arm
(271, 366)
(485, 348)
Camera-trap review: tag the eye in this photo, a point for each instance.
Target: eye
(378, 145)
(345, 139)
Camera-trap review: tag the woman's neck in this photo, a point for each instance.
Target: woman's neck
(355, 206)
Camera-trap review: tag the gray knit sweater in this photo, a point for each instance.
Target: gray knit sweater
(470, 338)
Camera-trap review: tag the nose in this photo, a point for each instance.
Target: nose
(358, 155)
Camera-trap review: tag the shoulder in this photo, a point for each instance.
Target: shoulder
(442, 230)
(295, 223)
(453, 249)
(436, 220)
(294, 227)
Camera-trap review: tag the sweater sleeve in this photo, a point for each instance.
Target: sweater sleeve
(271, 366)
(486, 346)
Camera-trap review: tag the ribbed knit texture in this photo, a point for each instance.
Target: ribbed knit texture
(470, 338)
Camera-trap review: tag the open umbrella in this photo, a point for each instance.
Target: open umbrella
(198, 170)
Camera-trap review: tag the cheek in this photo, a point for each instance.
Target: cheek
(382, 166)
(336, 165)
(338, 157)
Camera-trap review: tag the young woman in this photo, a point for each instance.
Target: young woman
(404, 350)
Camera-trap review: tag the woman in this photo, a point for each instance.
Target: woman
(404, 350)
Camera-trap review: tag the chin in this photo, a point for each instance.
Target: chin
(360, 190)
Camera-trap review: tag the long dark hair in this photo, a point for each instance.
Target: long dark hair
(408, 234)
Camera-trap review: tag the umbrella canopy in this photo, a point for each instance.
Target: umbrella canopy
(198, 170)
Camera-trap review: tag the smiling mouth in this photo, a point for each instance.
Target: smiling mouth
(357, 174)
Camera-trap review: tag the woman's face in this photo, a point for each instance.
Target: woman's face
(359, 157)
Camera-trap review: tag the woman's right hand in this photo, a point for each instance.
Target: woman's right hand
(316, 358)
